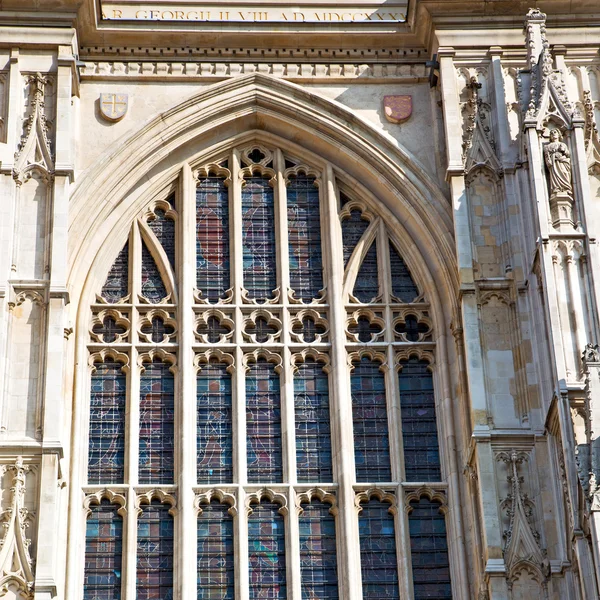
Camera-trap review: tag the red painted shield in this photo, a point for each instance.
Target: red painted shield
(397, 108)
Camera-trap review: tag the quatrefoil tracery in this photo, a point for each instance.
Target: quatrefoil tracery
(262, 327)
(157, 326)
(364, 326)
(412, 327)
(309, 326)
(110, 326)
(214, 327)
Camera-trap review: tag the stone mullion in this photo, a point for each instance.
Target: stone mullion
(186, 547)
(403, 551)
(130, 546)
(341, 404)
(239, 381)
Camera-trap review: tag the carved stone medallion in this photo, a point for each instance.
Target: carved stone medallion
(113, 107)
(397, 108)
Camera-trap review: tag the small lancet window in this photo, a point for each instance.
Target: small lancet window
(403, 286)
(164, 230)
(153, 287)
(258, 238)
(117, 282)
(214, 441)
(366, 286)
(212, 238)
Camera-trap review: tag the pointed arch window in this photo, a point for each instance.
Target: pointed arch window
(272, 349)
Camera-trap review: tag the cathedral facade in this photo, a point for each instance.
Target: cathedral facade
(299, 300)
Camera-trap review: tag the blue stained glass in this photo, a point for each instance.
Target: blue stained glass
(117, 282)
(369, 415)
(313, 429)
(366, 286)
(107, 424)
(215, 553)
(212, 238)
(103, 553)
(259, 251)
(304, 228)
(263, 420)
(164, 229)
(153, 287)
(155, 553)
(419, 426)
(379, 564)
(266, 552)
(318, 564)
(214, 424)
(403, 286)
(353, 228)
(157, 413)
(429, 551)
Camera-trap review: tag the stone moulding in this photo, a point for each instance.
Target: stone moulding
(218, 71)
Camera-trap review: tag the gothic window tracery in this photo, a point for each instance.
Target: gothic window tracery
(213, 376)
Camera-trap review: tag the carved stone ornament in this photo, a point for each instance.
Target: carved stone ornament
(113, 107)
(591, 353)
(558, 165)
(34, 152)
(522, 545)
(15, 563)
(397, 109)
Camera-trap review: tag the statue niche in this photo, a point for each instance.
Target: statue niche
(558, 165)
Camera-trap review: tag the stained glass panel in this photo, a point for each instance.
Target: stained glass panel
(258, 225)
(266, 552)
(155, 553)
(313, 428)
(304, 228)
(214, 424)
(318, 564)
(153, 287)
(369, 414)
(379, 565)
(263, 419)
(215, 553)
(106, 457)
(212, 238)
(353, 229)
(116, 286)
(157, 413)
(103, 553)
(164, 229)
(429, 551)
(403, 286)
(419, 426)
(366, 286)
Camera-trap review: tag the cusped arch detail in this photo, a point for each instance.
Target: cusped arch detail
(259, 107)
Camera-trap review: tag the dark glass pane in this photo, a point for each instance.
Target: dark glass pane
(215, 553)
(157, 413)
(429, 551)
(266, 552)
(117, 282)
(369, 414)
(353, 228)
(366, 286)
(259, 252)
(263, 420)
(155, 553)
(164, 229)
(103, 553)
(403, 286)
(153, 287)
(364, 329)
(107, 424)
(419, 428)
(379, 565)
(109, 330)
(313, 430)
(212, 238)
(157, 329)
(214, 424)
(318, 564)
(304, 228)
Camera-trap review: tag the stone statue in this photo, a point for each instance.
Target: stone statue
(558, 161)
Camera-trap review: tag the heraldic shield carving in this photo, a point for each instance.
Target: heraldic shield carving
(397, 108)
(113, 107)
